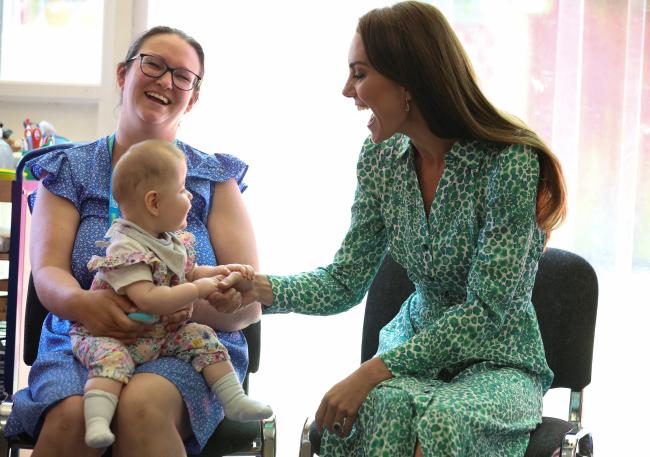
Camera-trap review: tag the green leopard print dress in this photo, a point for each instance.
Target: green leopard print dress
(465, 349)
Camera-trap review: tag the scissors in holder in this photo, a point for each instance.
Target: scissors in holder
(37, 136)
(33, 136)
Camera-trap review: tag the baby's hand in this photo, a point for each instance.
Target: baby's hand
(247, 271)
(206, 286)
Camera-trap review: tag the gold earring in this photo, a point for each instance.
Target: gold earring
(408, 106)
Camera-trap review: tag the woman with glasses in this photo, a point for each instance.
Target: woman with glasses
(166, 409)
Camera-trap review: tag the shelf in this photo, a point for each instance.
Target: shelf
(5, 191)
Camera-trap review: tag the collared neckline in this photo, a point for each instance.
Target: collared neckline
(405, 145)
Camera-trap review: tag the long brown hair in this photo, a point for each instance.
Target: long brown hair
(412, 44)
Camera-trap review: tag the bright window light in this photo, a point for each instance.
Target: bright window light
(51, 41)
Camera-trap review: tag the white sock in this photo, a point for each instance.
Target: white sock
(236, 405)
(99, 407)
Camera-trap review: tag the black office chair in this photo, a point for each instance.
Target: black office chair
(565, 298)
(230, 438)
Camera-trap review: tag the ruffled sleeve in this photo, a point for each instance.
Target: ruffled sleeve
(204, 171)
(214, 167)
(56, 172)
(124, 264)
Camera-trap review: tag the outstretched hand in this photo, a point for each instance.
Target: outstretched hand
(221, 298)
(224, 270)
(239, 285)
(246, 271)
(207, 286)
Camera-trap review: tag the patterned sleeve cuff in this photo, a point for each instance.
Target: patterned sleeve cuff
(281, 300)
(390, 363)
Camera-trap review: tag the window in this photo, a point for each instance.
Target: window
(51, 41)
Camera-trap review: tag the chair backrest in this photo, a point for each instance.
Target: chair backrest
(566, 301)
(565, 296)
(35, 314)
(387, 292)
(15, 261)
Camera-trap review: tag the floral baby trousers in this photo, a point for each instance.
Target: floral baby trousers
(110, 358)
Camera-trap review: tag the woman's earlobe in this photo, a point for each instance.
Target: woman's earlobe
(193, 100)
(120, 75)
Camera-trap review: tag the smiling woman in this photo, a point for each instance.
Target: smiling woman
(469, 330)
(73, 209)
(389, 102)
(171, 54)
(275, 71)
(275, 99)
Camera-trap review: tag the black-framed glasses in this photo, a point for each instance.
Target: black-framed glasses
(155, 67)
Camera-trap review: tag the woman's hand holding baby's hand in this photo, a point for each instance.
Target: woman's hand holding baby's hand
(229, 299)
(221, 298)
(241, 282)
(207, 286)
(247, 271)
(226, 300)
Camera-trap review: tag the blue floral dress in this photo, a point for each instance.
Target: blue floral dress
(465, 349)
(81, 174)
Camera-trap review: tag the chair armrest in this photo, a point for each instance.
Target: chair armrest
(5, 411)
(578, 442)
(305, 444)
(268, 437)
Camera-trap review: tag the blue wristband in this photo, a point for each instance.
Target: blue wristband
(144, 318)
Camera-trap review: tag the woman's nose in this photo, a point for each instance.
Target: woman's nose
(166, 79)
(348, 90)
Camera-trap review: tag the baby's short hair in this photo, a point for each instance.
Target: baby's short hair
(143, 167)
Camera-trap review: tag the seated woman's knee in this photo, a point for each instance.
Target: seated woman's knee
(63, 431)
(147, 403)
(66, 419)
(390, 399)
(444, 420)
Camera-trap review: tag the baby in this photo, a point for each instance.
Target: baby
(153, 265)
